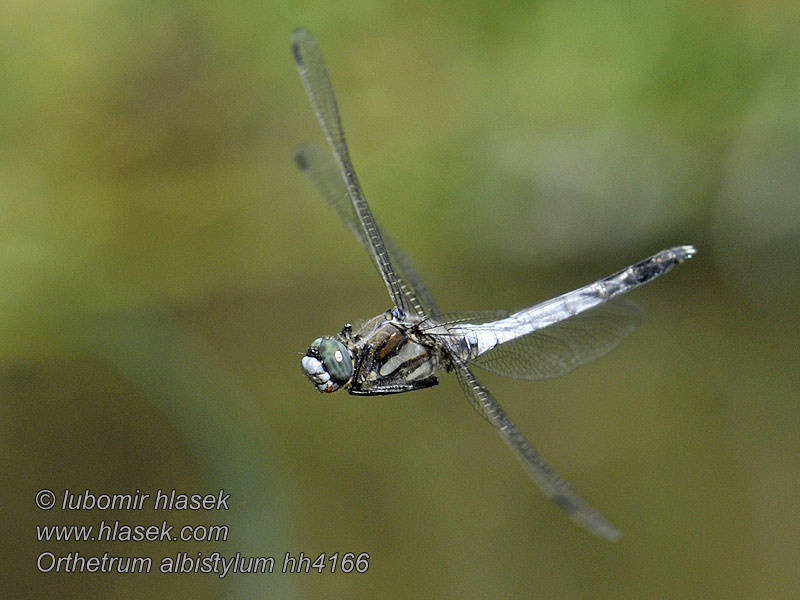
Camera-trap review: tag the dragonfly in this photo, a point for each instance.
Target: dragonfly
(403, 348)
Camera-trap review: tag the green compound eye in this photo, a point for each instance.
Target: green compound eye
(336, 359)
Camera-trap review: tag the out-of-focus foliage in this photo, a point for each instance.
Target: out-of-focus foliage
(162, 265)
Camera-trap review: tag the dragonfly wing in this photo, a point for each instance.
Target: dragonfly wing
(478, 316)
(553, 486)
(319, 166)
(558, 349)
(317, 83)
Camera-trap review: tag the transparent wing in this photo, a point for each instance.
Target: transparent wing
(319, 166)
(553, 486)
(477, 316)
(314, 74)
(564, 346)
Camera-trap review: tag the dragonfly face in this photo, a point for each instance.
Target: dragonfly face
(328, 364)
(402, 349)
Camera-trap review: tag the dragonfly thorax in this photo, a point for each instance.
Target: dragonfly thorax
(328, 364)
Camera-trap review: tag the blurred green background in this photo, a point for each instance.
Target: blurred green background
(163, 265)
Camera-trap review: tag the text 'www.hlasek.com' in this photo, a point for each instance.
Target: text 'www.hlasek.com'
(116, 531)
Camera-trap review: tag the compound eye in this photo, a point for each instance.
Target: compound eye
(336, 360)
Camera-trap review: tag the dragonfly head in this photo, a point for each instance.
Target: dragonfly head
(327, 364)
